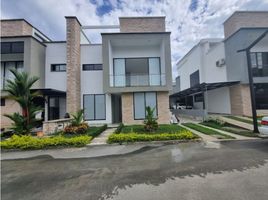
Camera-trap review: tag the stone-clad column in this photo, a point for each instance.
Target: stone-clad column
(73, 93)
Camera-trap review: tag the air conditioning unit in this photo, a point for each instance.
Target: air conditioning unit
(220, 63)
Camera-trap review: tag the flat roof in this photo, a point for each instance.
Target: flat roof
(245, 11)
(138, 17)
(125, 33)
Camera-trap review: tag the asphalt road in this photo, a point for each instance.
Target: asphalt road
(237, 170)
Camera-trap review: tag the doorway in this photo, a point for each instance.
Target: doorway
(116, 109)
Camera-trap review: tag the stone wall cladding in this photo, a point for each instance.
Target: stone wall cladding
(10, 107)
(15, 28)
(245, 19)
(142, 24)
(240, 100)
(128, 109)
(73, 94)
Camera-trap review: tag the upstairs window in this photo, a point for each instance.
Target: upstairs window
(12, 47)
(259, 64)
(92, 67)
(58, 67)
(194, 79)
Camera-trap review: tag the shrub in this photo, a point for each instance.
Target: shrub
(134, 137)
(77, 118)
(97, 131)
(29, 142)
(150, 123)
(162, 128)
(119, 128)
(76, 129)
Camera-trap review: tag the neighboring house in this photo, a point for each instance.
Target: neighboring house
(113, 82)
(213, 75)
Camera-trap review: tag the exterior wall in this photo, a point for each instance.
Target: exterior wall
(236, 62)
(218, 101)
(15, 28)
(33, 58)
(142, 24)
(10, 107)
(73, 64)
(242, 19)
(162, 106)
(240, 100)
(55, 54)
(110, 51)
(92, 82)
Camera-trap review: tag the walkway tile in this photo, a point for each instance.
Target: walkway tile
(102, 138)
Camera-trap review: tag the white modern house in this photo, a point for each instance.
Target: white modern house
(213, 75)
(113, 81)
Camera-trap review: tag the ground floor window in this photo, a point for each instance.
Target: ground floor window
(261, 95)
(143, 100)
(94, 107)
(3, 102)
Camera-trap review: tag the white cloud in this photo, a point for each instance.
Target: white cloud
(187, 27)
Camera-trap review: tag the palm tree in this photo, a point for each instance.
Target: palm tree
(19, 89)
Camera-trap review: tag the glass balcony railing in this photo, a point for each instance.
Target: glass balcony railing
(137, 80)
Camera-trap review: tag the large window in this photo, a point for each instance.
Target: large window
(261, 95)
(92, 67)
(12, 47)
(94, 107)
(143, 100)
(129, 72)
(5, 70)
(194, 79)
(259, 63)
(58, 67)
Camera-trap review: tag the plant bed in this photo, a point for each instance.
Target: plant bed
(229, 128)
(137, 133)
(28, 142)
(207, 131)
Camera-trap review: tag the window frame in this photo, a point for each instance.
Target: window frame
(16, 67)
(257, 67)
(94, 67)
(94, 106)
(51, 65)
(11, 47)
(156, 102)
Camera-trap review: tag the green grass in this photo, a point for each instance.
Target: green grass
(229, 128)
(94, 131)
(28, 142)
(207, 131)
(248, 121)
(163, 128)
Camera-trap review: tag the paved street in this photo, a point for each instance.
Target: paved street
(232, 170)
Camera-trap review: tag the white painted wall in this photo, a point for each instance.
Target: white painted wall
(135, 51)
(218, 101)
(55, 54)
(92, 81)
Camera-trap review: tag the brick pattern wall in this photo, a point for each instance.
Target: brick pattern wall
(15, 28)
(162, 106)
(145, 24)
(73, 94)
(245, 19)
(10, 107)
(240, 100)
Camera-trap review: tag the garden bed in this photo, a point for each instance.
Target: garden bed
(136, 133)
(229, 128)
(207, 131)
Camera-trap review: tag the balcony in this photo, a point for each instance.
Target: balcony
(137, 80)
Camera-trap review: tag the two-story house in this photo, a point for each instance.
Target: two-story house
(113, 81)
(213, 75)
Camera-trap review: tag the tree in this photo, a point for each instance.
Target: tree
(19, 89)
(150, 122)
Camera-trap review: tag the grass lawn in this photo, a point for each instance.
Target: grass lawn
(136, 133)
(248, 121)
(207, 131)
(229, 128)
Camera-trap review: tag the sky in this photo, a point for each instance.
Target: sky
(188, 20)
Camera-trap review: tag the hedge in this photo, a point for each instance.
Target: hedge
(135, 137)
(29, 142)
(119, 128)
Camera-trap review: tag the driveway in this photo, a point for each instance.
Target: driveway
(232, 170)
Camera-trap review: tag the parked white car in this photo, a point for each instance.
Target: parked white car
(264, 126)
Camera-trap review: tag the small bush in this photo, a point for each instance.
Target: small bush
(134, 137)
(162, 128)
(119, 128)
(150, 122)
(97, 131)
(76, 129)
(29, 142)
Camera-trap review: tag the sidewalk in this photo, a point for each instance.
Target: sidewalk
(237, 123)
(102, 138)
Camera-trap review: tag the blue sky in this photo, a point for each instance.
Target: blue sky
(188, 20)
